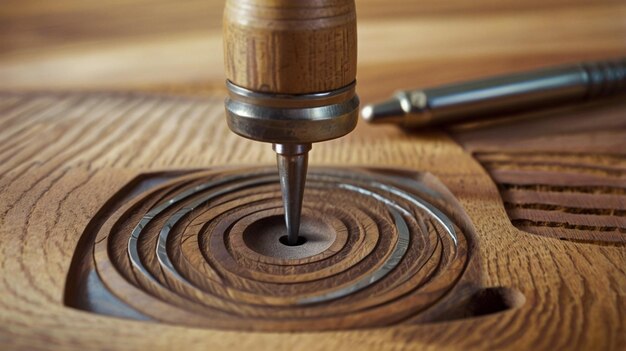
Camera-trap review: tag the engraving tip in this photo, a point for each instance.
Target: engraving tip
(292, 160)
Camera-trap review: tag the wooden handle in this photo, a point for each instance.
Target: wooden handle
(290, 47)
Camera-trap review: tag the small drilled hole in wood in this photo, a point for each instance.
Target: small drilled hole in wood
(285, 240)
(263, 233)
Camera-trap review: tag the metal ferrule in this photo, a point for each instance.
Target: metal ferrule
(298, 119)
(291, 149)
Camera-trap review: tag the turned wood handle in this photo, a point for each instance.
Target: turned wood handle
(290, 47)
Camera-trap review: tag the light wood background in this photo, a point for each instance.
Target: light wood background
(64, 154)
(129, 44)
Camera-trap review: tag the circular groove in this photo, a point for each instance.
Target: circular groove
(392, 252)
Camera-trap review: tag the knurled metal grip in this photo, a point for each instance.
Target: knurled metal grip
(285, 118)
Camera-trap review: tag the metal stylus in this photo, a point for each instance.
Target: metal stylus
(501, 95)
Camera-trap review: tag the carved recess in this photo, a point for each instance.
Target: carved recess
(202, 249)
(575, 197)
(561, 173)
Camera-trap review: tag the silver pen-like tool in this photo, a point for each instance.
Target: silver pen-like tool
(501, 95)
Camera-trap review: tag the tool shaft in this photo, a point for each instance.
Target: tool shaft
(292, 160)
(502, 94)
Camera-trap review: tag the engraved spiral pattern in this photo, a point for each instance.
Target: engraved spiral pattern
(203, 249)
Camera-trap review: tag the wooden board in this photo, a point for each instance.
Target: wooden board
(65, 156)
(544, 268)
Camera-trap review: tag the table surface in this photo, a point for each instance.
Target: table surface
(176, 45)
(154, 67)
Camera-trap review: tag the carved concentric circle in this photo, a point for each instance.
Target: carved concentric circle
(204, 250)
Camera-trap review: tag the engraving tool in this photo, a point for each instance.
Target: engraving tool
(291, 69)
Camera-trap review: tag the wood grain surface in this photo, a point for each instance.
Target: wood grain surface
(63, 160)
(65, 155)
(177, 46)
(561, 173)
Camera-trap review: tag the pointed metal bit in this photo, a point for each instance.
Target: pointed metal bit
(292, 162)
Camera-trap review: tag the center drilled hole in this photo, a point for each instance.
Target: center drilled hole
(262, 234)
(285, 240)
